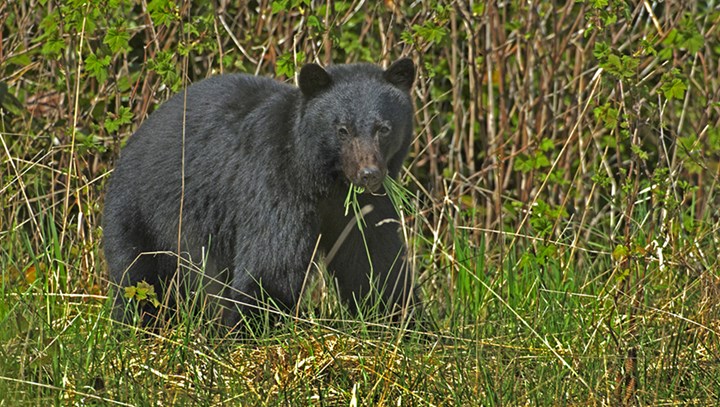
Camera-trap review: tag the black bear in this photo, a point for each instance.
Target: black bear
(259, 171)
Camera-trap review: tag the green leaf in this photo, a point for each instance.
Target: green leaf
(629, 65)
(674, 89)
(98, 67)
(601, 50)
(142, 291)
(21, 60)
(612, 64)
(313, 21)
(541, 161)
(523, 164)
(52, 46)
(163, 12)
(124, 116)
(694, 42)
(164, 65)
(671, 37)
(430, 32)
(665, 54)
(637, 150)
(123, 83)
(620, 252)
(607, 115)
(546, 144)
(647, 47)
(610, 19)
(130, 292)
(286, 64)
(601, 178)
(278, 6)
(117, 39)
(541, 224)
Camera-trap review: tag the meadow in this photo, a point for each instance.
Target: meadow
(563, 216)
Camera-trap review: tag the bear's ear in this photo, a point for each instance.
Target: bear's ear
(313, 79)
(401, 74)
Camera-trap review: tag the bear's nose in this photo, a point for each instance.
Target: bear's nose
(370, 177)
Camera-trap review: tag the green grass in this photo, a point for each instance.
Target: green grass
(523, 330)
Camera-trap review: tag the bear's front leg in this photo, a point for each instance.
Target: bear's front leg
(370, 265)
(269, 270)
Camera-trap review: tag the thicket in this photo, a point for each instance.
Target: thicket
(565, 179)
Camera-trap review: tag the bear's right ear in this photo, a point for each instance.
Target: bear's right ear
(313, 79)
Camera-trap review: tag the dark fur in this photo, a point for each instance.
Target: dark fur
(267, 167)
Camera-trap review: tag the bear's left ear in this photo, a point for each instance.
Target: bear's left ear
(313, 79)
(401, 74)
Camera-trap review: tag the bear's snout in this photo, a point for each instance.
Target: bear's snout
(363, 163)
(370, 177)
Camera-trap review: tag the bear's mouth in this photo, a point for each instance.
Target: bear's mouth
(370, 187)
(369, 178)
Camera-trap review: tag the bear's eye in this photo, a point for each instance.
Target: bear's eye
(343, 131)
(383, 129)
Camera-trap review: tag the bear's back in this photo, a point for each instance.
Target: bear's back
(199, 132)
(214, 114)
(216, 100)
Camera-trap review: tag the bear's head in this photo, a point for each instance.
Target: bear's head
(362, 116)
